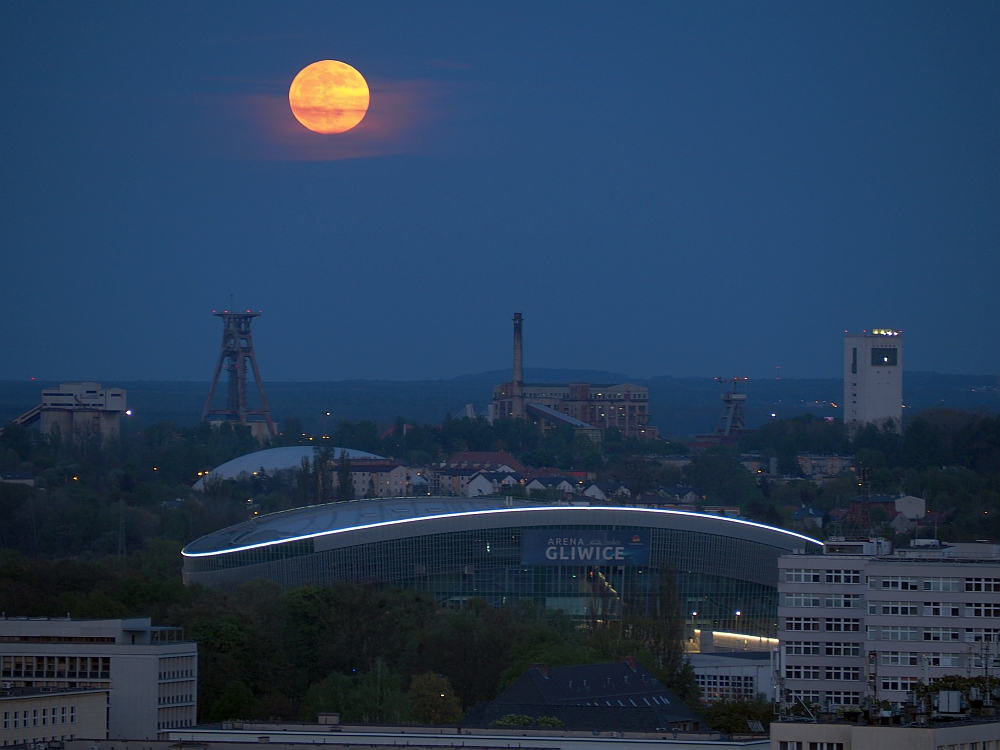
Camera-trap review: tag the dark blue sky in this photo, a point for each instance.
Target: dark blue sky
(662, 189)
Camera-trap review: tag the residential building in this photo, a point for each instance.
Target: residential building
(149, 673)
(32, 715)
(540, 484)
(808, 516)
(819, 467)
(492, 483)
(621, 696)
(873, 378)
(380, 478)
(862, 621)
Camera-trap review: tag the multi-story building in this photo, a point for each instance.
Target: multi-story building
(861, 621)
(150, 673)
(34, 715)
(873, 378)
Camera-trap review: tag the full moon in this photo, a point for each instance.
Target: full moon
(329, 97)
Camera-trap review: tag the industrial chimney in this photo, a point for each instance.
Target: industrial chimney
(518, 384)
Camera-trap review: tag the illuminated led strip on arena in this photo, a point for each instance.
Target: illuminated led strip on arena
(576, 510)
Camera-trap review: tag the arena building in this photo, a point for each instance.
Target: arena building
(587, 561)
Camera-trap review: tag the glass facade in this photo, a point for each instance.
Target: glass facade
(725, 583)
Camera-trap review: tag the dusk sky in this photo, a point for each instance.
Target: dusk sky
(699, 188)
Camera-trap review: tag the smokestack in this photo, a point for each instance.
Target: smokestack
(518, 384)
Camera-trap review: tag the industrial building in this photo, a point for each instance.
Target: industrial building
(864, 623)
(78, 411)
(585, 407)
(150, 674)
(586, 561)
(873, 378)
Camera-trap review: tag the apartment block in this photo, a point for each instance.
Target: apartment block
(863, 621)
(150, 673)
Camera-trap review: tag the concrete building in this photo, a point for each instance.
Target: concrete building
(583, 406)
(873, 378)
(951, 735)
(861, 622)
(34, 715)
(78, 410)
(736, 675)
(150, 673)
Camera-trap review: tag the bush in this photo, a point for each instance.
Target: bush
(514, 721)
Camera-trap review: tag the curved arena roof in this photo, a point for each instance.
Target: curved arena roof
(273, 459)
(337, 525)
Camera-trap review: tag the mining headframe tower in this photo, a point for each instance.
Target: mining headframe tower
(237, 355)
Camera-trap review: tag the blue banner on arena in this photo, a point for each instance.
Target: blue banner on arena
(572, 547)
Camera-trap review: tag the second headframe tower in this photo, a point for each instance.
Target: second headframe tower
(237, 355)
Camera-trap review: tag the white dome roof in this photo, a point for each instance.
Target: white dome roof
(273, 459)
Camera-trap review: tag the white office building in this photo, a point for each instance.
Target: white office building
(863, 622)
(150, 673)
(873, 378)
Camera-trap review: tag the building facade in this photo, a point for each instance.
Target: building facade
(34, 715)
(587, 561)
(621, 405)
(149, 673)
(873, 378)
(862, 623)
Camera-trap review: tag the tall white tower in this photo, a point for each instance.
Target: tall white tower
(873, 378)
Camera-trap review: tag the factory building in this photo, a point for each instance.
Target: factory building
(586, 407)
(873, 378)
(78, 411)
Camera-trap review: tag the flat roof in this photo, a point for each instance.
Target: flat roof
(364, 521)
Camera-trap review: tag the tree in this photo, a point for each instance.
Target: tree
(345, 478)
(433, 700)
(235, 702)
(731, 717)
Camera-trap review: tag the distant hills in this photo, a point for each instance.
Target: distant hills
(679, 406)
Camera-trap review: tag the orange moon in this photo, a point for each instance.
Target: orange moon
(329, 97)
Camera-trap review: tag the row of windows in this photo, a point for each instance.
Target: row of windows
(176, 673)
(812, 698)
(726, 687)
(167, 699)
(912, 659)
(934, 609)
(815, 648)
(831, 624)
(173, 724)
(804, 575)
(32, 740)
(892, 583)
(20, 719)
(834, 601)
(72, 667)
(803, 672)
